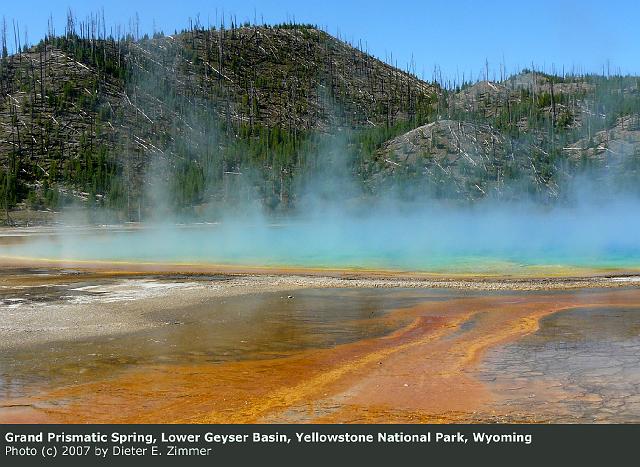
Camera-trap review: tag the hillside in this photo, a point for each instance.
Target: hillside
(85, 118)
(192, 122)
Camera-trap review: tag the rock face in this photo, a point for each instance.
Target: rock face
(532, 135)
(610, 157)
(483, 96)
(561, 99)
(456, 159)
(464, 160)
(609, 146)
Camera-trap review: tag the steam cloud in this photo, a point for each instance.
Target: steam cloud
(487, 237)
(336, 225)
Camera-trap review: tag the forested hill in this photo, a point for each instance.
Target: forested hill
(197, 120)
(88, 117)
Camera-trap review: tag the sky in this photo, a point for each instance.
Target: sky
(457, 37)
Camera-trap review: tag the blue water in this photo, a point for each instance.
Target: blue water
(481, 248)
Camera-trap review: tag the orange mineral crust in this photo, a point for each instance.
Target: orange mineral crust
(424, 371)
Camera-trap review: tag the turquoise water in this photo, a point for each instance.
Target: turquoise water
(492, 247)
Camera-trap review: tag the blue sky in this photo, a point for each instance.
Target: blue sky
(458, 36)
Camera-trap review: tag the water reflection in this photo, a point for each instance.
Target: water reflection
(222, 329)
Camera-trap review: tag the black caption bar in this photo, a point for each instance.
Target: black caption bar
(334, 445)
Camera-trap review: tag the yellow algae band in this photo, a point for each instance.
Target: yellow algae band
(136, 266)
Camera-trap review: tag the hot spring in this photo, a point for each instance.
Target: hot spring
(481, 240)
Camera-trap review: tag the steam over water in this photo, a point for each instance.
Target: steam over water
(481, 239)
